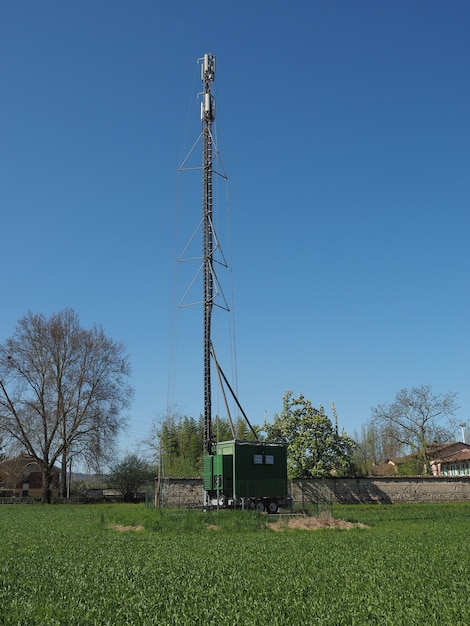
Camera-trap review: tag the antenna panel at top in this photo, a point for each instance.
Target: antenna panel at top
(208, 67)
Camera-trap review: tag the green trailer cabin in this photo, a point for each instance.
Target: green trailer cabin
(247, 474)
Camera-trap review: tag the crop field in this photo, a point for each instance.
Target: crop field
(125, 564)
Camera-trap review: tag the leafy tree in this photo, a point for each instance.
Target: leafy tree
(374, 445)
(366, 452)
(178, 442)
(222, 429)
(180, 446)
(416, 418)
(62, 391)
(80, 486)
(129, 475)
(315, 448)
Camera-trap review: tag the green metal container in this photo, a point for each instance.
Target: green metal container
(251, 471)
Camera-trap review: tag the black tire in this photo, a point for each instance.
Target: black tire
(222, 502)
(272, 507)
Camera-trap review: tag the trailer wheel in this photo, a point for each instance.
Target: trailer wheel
(260, 506)
(223, 500)
(273, 507)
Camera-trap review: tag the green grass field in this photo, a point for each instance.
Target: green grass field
(70, 565)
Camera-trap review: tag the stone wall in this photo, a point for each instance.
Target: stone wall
(384, 490)
(181, 492)
(188, 492)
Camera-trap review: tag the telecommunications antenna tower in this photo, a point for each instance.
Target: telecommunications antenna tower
(207, 118)
(211, 288)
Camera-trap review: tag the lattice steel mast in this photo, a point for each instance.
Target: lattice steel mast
(212, 255)
(207, 117)
(246, 473)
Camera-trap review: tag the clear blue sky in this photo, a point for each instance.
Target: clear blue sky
(345, 134)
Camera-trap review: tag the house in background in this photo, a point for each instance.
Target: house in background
(21, 476)
(389, 468)
(452, 462)
(446, 459)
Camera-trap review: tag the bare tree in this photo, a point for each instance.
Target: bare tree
(62, 391)
(417, 418)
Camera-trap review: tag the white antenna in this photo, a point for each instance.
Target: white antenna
(463, 427)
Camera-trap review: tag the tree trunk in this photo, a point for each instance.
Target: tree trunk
(46, 484)
(63, 476)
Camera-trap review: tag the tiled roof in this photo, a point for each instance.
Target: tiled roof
(457, 457)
